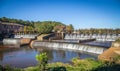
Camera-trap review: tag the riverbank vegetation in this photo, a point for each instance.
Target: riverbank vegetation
(76, 64)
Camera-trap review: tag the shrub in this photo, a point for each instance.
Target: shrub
(42, 61)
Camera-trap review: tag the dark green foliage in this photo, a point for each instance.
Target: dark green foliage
(107, 67)
(8, 68)
(57, 69)
(1, 68)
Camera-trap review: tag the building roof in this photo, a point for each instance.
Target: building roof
(60, 26)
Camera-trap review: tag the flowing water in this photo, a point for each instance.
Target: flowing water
(92, 47)
(25, 56)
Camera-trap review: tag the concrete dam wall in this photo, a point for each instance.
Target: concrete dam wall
(70, 46)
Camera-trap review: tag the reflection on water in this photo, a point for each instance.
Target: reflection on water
(25, 56)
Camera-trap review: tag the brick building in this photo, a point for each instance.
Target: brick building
(6, 27)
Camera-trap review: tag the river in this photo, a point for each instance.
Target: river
(24, 56)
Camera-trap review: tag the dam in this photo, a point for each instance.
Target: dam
(57, 51)
(70, 42)
(70, 46)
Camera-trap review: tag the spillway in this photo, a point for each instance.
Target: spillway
(70, 46)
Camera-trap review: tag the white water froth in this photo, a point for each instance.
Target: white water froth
(78, 47)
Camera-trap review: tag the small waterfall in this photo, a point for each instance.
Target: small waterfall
(78, 47)
(98, 37)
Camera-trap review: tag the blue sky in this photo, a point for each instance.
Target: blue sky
(80, 13)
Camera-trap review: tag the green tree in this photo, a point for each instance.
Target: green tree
(44, 27)
(28, 29)
(4, 19)
(42, 61)
(69, 28)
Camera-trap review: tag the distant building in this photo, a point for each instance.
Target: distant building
(6, 27)
(59, 28)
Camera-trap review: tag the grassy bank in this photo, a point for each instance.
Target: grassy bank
(76, 65)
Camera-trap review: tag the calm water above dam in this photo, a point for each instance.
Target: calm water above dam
(25, 56)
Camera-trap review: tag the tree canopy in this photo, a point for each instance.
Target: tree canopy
(39, 26)
(69, 28)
